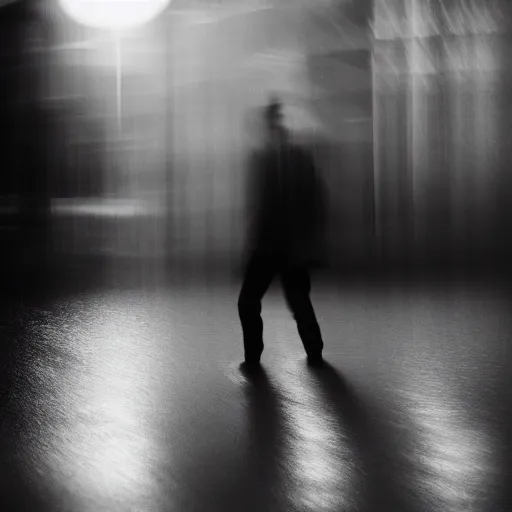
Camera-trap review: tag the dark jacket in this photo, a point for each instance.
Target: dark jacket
(286, 203)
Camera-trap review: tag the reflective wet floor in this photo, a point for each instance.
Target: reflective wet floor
(134, 400)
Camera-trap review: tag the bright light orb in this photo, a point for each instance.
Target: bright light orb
(113, 14)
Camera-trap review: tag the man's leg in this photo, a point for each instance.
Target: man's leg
(297, 287)
(258, 276)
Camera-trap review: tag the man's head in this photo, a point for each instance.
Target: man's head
(273, 120)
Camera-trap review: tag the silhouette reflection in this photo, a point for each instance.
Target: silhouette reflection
(381, 477)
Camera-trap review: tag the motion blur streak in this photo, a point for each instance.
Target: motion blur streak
(403, 103)
(124, 223)
(322, 463)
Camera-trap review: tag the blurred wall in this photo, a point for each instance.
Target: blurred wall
(24, 196)
(342, 101)
(441, 94)
(407, 115)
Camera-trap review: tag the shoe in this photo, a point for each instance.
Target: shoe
(251, 368)
(315, 360)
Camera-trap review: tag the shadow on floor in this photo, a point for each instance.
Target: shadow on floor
(263, 477)
(377, 451)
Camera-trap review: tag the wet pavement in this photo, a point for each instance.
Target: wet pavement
(134, 399)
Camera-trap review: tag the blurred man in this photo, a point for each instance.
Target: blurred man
(285, 202)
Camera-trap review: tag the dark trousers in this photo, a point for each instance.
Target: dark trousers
(297, 286)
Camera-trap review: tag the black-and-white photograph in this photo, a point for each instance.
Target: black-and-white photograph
(255, 255)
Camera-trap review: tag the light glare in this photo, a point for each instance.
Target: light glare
(113, 14)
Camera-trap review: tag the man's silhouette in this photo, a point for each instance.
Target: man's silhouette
(285, 206)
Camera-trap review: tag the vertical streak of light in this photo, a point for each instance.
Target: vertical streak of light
(458, 197)
(485, 129)
(170, 173)
(376, 158)
(414, 113)
(322, 463)
(118, 80)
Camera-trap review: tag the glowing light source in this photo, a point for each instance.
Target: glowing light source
(113, 14)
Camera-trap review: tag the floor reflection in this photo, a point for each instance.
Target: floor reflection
(322, 460)
(134, 400)
(453, 454)
(87, 414)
